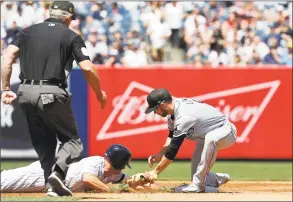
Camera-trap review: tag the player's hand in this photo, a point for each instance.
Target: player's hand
(152, 175)
(102, 99)
(138, 179)
(154, 158)
(8, 97)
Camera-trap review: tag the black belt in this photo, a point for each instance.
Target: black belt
(43, 82)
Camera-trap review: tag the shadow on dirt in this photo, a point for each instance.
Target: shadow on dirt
(96, 198)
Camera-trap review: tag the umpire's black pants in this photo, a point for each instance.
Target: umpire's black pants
(48, 121)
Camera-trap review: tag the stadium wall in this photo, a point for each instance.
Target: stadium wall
(257, 99)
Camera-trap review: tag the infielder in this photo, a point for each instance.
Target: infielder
(196, 121)
(91, 173)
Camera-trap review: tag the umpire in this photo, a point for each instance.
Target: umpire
(46, 52)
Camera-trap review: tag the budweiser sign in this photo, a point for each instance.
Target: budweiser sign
(129, 109)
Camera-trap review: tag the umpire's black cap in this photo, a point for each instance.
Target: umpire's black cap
(156, 97)
(64, 6)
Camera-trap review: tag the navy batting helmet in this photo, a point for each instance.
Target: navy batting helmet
(119, 156)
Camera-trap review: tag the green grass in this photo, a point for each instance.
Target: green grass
(30, 198)
(275, 171)
(180, 170)
(13, 164)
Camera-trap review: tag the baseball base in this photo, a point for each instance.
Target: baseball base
(208, 189)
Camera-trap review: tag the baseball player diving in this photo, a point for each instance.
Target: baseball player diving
(90, 173)
(196, 121)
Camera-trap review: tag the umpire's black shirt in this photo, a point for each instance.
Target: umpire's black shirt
(47, 49)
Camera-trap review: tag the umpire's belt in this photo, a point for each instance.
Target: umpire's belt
(43, 82)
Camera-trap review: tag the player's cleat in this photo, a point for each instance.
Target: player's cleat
(51, 193)
(226, 178)
(56, 181)
(208, 189)
(179, 189)
(192, 188)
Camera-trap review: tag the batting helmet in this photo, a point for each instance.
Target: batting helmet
(119, 156)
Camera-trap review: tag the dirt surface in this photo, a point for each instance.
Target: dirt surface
(232, 191)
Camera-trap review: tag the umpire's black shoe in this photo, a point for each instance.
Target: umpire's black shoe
(51, 192)
(56, 181)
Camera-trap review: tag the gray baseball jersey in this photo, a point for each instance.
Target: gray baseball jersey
(194, 118)
(31, 177)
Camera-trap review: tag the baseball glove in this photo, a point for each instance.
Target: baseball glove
(138, 179)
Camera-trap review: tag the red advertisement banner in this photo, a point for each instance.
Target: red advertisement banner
(258, 101)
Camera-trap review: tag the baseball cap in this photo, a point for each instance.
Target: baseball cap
(156, 97)
(64, 6)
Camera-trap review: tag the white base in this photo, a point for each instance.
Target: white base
(207, 190)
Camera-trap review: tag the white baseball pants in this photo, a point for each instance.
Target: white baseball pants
(24, 179)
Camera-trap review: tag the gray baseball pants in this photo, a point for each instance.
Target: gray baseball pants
(47, 122)
(205, 155)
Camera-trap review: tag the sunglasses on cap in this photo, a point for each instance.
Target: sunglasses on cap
(156, 108)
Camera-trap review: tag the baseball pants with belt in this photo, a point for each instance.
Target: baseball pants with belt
(49, 116)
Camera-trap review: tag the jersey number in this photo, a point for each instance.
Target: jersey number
(190, 101)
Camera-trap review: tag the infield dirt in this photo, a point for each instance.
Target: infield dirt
(232, 191)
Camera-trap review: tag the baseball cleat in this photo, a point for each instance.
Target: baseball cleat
(179, 189)
(57, 183)
(226, 178)
(192, 188)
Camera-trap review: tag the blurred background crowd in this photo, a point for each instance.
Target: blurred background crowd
(207, 33)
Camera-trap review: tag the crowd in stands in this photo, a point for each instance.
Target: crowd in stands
(134, 34)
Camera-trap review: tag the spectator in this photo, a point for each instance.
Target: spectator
(289, 60)
(174, 15)
(272, 57)
(198, 63)
(246, 51)
(218, 57)
(159, 32)
(194, 23)
(92, 44)
(241, 29)
(261, 49)
(102, 49)
(27, 19)
(115, 54)
(287, 57)
(42, 12)
(12, 32)
(97, 47)
(238, 61)
(228, 27)
(10, 15)
(274, 35)
(256, 59)
(134, 55)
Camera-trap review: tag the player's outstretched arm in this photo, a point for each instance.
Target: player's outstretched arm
(157, 157)
(94, 183)
(169, 156)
